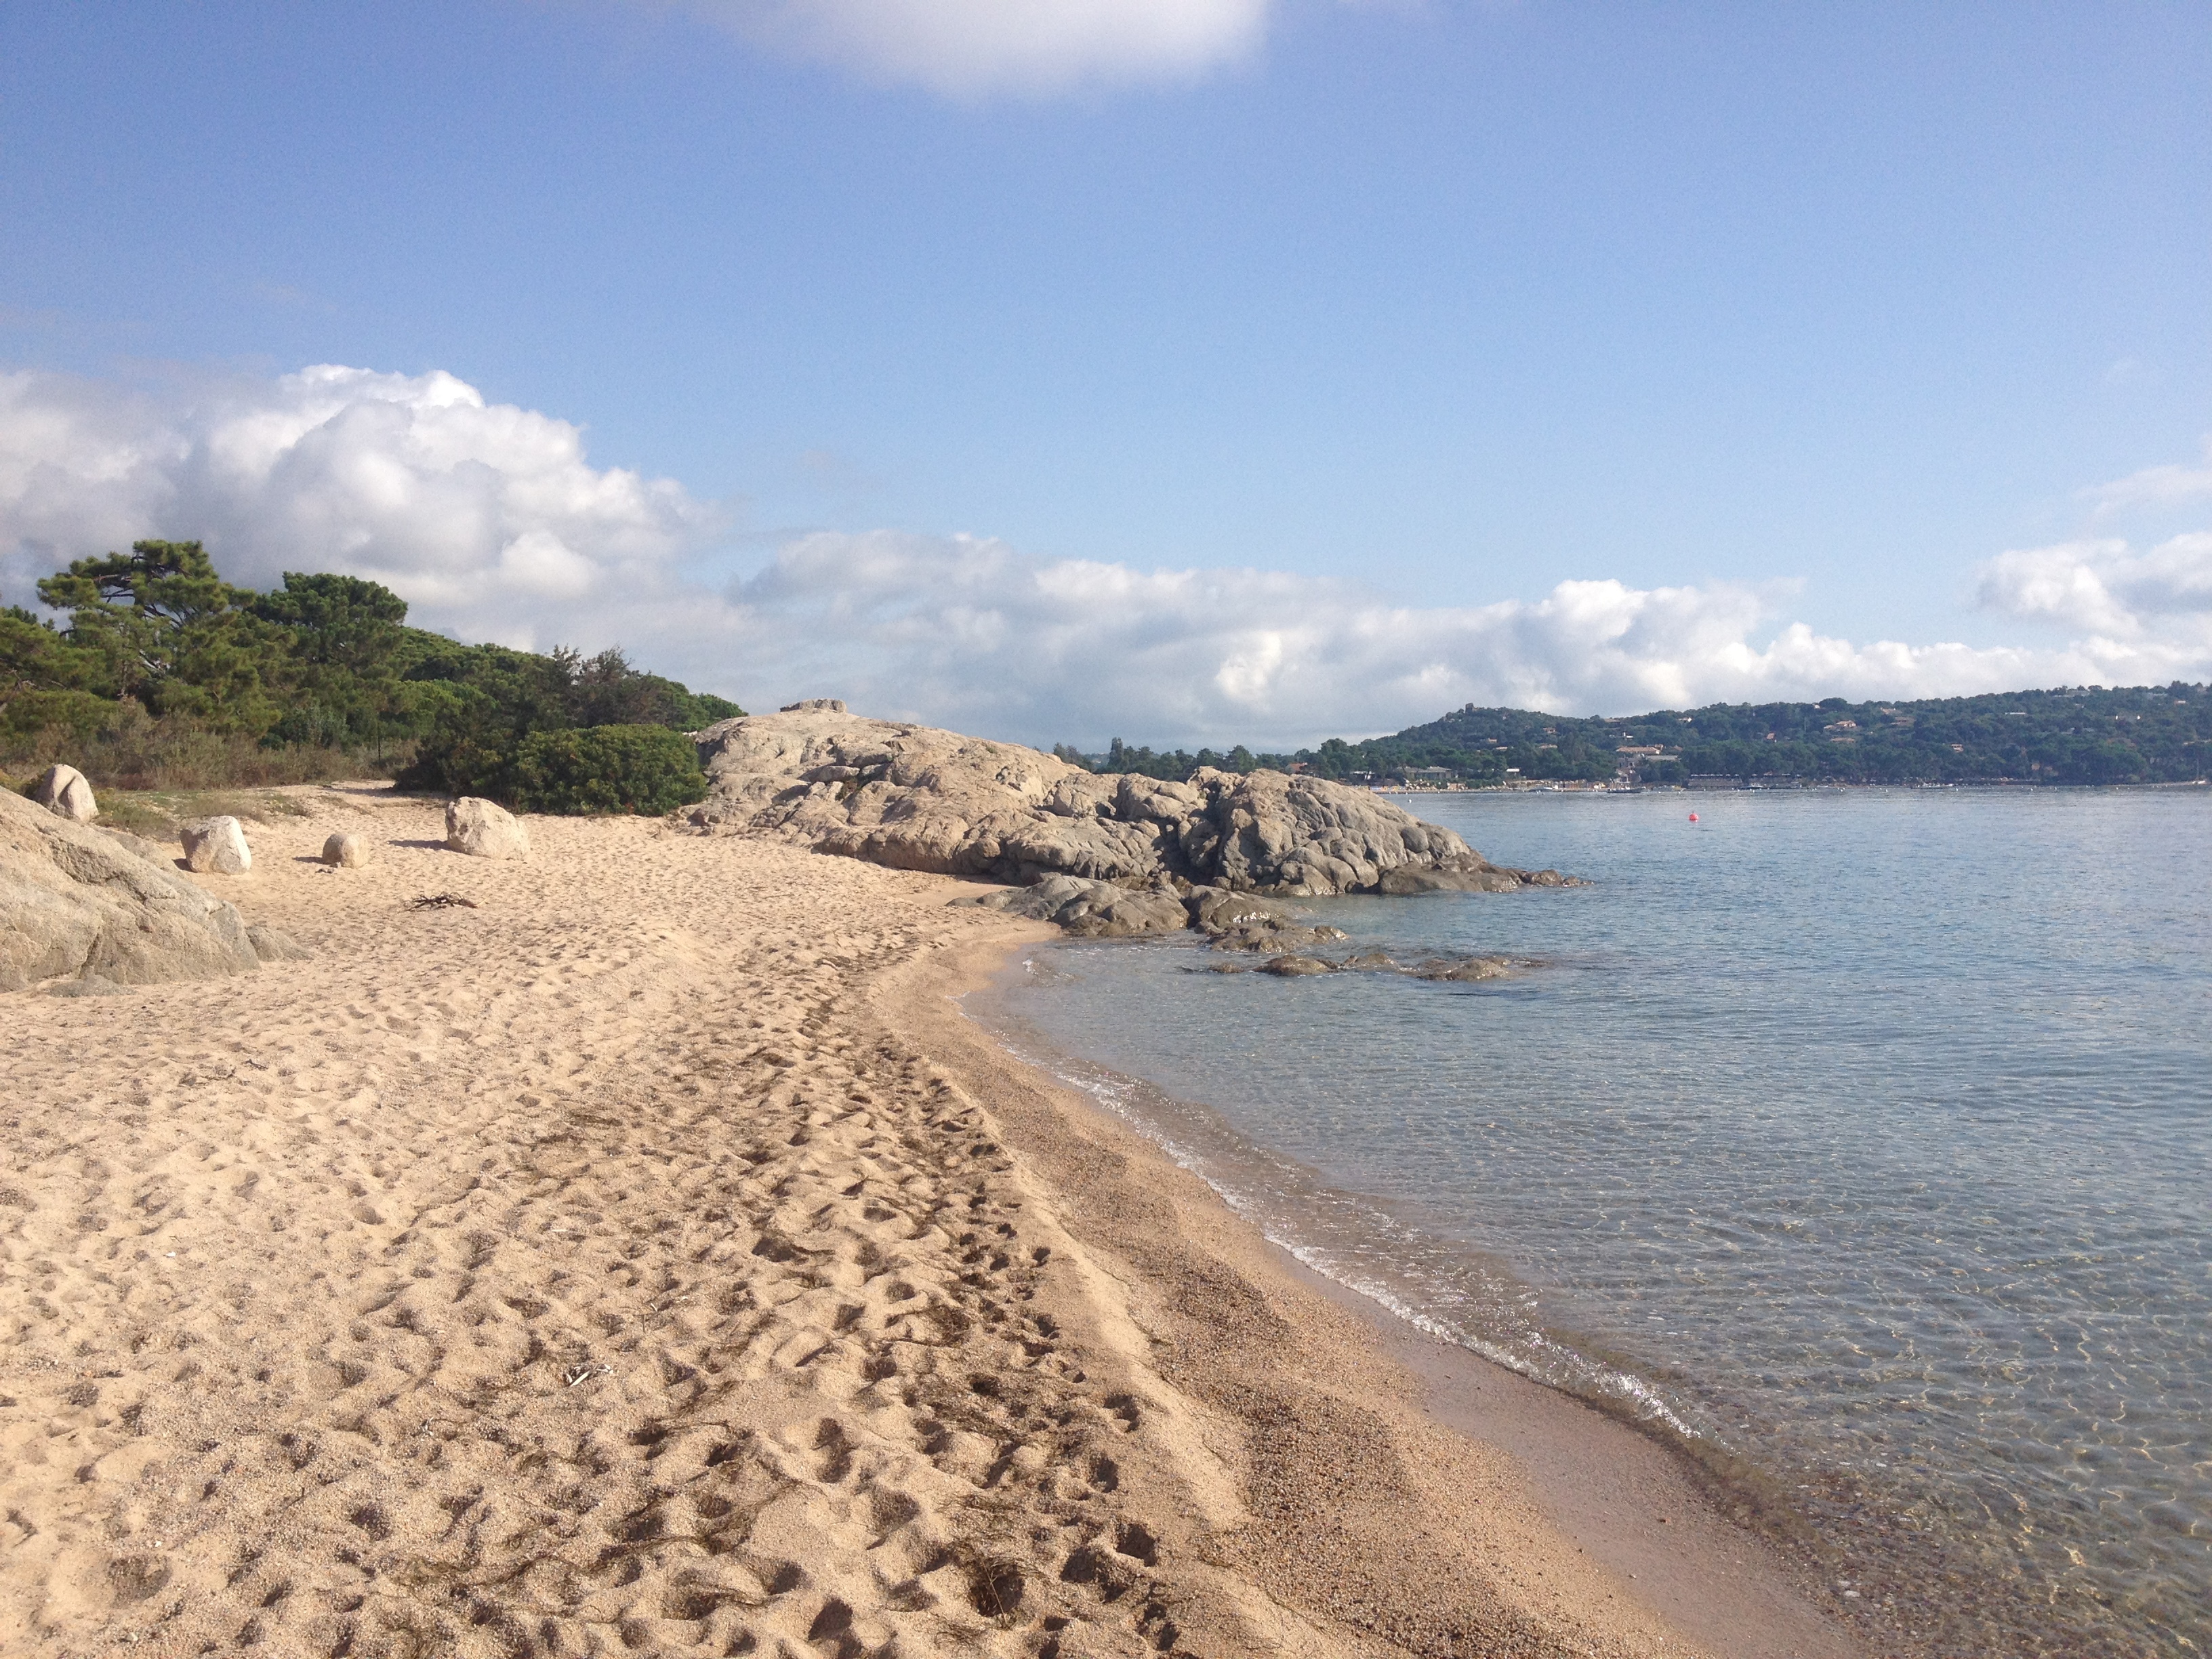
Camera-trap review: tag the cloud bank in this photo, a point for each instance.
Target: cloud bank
(970, 49)
(971, 633)
(485, 517)
(491, 521)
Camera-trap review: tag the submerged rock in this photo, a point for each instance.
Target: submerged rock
(1403, 882)
(1091, 909)
(1462, 971)
(1275, 941)
(1371, 962)
(1459, 970)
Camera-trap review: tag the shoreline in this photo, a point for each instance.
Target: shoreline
(1585, 1497)
(650, 1256)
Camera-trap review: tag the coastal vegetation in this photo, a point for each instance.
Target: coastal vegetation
(164, 675)
(2076, 735)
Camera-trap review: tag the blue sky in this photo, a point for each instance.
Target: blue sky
(1401, 312)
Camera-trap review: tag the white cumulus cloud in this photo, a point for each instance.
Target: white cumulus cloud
(486, 517)
(2149, 602)
(967, 49)
(492, 522)
(971, 633)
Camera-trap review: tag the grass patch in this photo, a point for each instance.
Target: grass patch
(156, 813)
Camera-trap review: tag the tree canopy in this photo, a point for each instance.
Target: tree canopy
(155, 639)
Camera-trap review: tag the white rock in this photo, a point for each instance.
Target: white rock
(346, 850)
(484, 829)
(216, 846)
(63, 792)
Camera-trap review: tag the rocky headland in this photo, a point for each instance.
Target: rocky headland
(1099, 855)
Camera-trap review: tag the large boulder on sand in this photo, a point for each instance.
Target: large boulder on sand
(63, 791)
(216, 846)
(78, 903)
(917, 798)
(346, 851)
(484, 829)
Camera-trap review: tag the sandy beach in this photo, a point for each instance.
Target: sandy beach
(648, 1256)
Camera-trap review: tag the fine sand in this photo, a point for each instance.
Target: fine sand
(652, 1258)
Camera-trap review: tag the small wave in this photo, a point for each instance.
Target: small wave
(1531, 1353)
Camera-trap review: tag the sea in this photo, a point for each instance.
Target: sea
(1858, 1143)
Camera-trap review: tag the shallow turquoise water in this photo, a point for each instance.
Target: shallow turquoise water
(1866, 1134)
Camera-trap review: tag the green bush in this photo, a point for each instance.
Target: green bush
(647, 769)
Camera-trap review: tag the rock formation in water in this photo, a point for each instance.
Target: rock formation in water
(1093, 910)
(83, 904)
(917, 798)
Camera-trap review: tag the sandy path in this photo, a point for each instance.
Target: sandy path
(616, 1266)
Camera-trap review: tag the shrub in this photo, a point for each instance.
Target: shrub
(118, 746)
(647, 769)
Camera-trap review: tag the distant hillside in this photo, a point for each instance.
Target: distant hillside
(2138, 734)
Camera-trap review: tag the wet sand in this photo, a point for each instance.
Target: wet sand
(652, 1258)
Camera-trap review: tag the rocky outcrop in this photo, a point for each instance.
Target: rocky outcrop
(216, 847)
(77, 903)
(63, 791)
(1237, 921)
(1092, 910)
(1456, 970)
(917, 798)
(1461, 970)
(484, 829)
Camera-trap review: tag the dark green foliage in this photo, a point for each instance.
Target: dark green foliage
(605, 690)
(1175, 766)
(339, 622)
(169, 633)
(647, 769)
(2081, 735)
(45, 680)
(477, 705)
(168, 676)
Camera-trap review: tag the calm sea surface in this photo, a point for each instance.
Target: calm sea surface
(1864, 1136)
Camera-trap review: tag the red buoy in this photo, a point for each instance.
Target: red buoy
(1694, 818)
